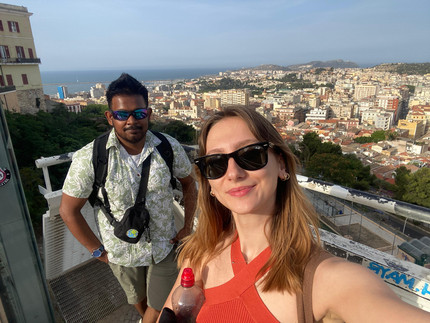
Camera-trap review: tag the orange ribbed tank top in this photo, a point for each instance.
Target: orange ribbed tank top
(237, 300)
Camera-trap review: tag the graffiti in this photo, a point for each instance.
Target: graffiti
(398, 278)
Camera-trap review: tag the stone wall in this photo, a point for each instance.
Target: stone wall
(31, 101)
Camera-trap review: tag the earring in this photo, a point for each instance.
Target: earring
(286, 177)
(212, 194)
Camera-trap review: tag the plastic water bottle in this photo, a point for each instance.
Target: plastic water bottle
(187, 299)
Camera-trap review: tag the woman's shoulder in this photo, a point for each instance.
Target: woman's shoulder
(218, 269)
(349, 290)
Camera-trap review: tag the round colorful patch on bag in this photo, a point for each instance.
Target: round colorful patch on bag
(132, 233)
(4, 176)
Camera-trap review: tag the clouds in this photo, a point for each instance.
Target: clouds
(201, 33)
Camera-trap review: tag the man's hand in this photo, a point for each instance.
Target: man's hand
(104, 257)
(181, 234)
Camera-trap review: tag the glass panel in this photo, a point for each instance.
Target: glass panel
(23, 290)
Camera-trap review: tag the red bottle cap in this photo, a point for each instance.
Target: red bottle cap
(187, 278)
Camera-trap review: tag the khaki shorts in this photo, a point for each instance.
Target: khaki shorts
(154, 282)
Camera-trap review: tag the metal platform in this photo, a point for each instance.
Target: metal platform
(87, 293)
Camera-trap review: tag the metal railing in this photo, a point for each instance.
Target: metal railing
(20, 60)
(406, 210)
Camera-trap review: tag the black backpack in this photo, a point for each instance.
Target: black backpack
(100, 162)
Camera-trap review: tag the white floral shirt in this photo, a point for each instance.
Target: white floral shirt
(122, 186)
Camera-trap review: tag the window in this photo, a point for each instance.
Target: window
(30, 53)
(13, 26)
(1, 26)
(1, 80)
(9, 79)
(4, 51)
(24, 79)
(20, 52)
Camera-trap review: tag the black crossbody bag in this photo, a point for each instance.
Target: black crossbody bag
(135, 221)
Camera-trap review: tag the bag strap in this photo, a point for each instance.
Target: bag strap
(304, 298)
(140, 198)
(100, 164)
(166, 151)
(141, 194)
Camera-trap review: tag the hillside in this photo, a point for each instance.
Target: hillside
(339, 63)
(405, 68)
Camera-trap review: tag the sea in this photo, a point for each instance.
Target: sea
(77, 81)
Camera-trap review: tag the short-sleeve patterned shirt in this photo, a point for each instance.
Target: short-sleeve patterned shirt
(122, 186)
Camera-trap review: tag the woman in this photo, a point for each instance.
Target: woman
(254, 238)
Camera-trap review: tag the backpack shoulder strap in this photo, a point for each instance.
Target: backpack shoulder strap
(166, 151)
(100, 163)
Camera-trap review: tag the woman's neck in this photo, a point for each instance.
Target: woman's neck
(253, 231)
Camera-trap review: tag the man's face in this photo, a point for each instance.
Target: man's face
(132, 131)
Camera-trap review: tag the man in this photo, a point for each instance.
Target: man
(145, 270)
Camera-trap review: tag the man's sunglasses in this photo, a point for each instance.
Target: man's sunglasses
(122, 115)
(251, 157)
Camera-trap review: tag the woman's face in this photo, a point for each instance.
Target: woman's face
(243, 191)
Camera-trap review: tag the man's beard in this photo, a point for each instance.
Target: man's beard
(136, 137)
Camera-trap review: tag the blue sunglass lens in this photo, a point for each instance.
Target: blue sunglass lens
(140, 114)
(124, 115)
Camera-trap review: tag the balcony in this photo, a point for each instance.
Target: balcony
(4, 89)
(18, 60)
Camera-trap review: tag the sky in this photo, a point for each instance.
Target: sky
(166, 34)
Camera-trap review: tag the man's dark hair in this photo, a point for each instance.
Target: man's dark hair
(126, 85)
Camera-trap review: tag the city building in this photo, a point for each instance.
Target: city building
(369, 116)
(317, 114)
(342, 111)
(63, 93)
(384, 120)
(420, 112)
(20, 82)
(235, 97)
(415, 127)
(98, 91)
(365, 91)
(212, 101)
(389, 102)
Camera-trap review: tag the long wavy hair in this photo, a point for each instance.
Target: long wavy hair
(291, 235)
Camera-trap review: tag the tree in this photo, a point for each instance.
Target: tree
(182, 132)
(418, 188)
(309, 146)
(401, 178)
(378, 135)
(312, 145)
(48, 134)
(342, 170)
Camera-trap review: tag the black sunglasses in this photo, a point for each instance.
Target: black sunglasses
(251, 157)
(122, 115)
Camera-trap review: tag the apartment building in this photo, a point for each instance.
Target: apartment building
(416, 128)
(98, 91)
(63, 92)
(423, 93)
(384, 120)
(342, 111)
(212, 101)
(389, 102)
(365, 91)
(235, 97)
(316, 114)
(20, 82)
